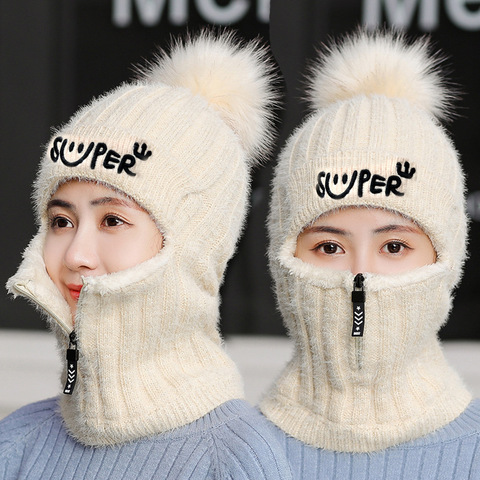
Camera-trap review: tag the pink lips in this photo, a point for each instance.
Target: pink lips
(74, 290)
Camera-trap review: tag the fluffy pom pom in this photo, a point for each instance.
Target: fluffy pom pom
(381, 63)
(237, 80)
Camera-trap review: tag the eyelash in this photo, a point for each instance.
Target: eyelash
(402, 244)
(116, 217)
(54, 219)
(318, 247)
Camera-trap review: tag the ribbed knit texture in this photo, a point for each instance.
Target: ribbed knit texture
(451, 453)
(364, 394)
(231, 442)
(150, 354)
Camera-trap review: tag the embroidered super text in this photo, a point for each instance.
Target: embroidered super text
(97, 154)
(360, 181)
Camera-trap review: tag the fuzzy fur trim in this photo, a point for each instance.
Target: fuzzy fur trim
(381, 63)
(328, 279)
(131, 280)
(237, 81)
(33, 282)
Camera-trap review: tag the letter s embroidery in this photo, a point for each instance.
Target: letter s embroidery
(320, 186)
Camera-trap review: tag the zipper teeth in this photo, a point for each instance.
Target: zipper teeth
(23, 290)
(359, 352)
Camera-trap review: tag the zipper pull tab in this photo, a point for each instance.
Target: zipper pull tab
(358, 299)
(72, 357)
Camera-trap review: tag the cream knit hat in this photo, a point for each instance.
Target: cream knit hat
(191, 119)
(372, 140)
(180, 141)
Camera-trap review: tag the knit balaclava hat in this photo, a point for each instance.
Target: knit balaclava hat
(373, 140)
(180, 141)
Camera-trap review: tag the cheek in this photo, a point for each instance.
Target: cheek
(126, 251)
(305, 253)
(52, 256)
(422, 256)
(298, 250)
(304, 249)
(426, 255)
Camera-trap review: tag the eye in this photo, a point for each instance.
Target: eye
(112, 221)
(329, 248)
(394, 248)
(60, 222)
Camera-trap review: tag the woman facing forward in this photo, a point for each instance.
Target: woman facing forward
(368, 237)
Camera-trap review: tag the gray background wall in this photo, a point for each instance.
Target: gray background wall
(55, 55)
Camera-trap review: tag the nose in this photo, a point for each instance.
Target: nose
(362, 262)
(81, 254)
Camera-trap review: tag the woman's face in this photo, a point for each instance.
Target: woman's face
(94, 230)
(365, 240)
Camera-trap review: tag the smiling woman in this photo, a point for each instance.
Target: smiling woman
(94, 230)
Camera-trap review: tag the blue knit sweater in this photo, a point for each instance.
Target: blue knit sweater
(450, 453)
(231, 442)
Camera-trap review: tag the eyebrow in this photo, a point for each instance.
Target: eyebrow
(339, 231)
(396, 228)
(113, 201)
(326, 229)
(57, 202)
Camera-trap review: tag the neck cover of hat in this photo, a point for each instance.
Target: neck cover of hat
(363, 394)
(150, 354)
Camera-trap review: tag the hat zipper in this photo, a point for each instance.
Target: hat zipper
(72, 358)
(358, 300)
(358, 318)
(72, 353)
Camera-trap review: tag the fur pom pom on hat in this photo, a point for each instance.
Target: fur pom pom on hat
(231, 77)
(381, 64)
(374, 139)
